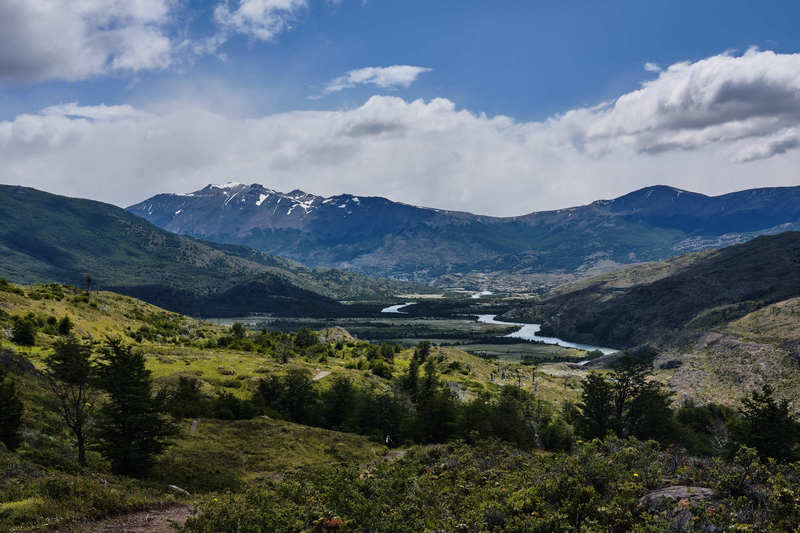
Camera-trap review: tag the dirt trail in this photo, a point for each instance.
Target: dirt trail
(153, 521)
(321, 375)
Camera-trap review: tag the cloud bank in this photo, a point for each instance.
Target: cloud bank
(720, 124)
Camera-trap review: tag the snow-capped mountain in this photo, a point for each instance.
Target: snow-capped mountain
(378, 236)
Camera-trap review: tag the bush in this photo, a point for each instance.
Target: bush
(24, 332)
(11, 410)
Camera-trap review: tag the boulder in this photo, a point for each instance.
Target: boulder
(677, 494)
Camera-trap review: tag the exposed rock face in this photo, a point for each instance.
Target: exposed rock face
(378, 236)
(336, 334)
(16, 362)
(679, 494)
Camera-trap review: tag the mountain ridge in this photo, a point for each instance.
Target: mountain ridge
(377, 236)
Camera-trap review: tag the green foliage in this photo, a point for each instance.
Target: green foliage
(131, 430)
(11, 410)
(305, 338)
(237, 330)
(185, 399)
(5, 286)
(24, 332)
(65, 326)
(495, 487)
(769, 426)
(628, 403)
(70, 372)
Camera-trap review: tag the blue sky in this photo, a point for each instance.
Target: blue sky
(246, 67)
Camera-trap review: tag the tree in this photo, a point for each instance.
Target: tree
(70, 372)
(305, 338)
(410, 380)
(596, 409)
(299, 395)
(627, 403)
(24, 332)
(422, 351)
(768, 425)
(64, 326)
(11, 410)
(131, 430)
(89, 281)
(338, 403)
(186, 399)
(237, 330)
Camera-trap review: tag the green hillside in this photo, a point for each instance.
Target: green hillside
(47, 238)
(286, 432)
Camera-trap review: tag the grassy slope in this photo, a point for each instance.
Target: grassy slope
(40, 485)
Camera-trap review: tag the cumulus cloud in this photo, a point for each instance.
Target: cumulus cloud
(652, 67)
(66, 40)
(716, 125)
(263, 20)
(689, 105)
(383, 77)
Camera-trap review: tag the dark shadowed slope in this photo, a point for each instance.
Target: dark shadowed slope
(658, 301)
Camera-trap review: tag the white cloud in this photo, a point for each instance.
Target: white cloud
(716, 125)
(259, 19)
(74, 40)
(383, 77)
(652, 67)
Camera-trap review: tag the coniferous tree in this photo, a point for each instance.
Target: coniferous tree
(596, 407)
(131, 429)
(70, 372)
(64, 326)
(769, 426)
(11, 410)
(410, 380)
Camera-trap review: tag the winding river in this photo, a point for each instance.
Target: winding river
(530, 332)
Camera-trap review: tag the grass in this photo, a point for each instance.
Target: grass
(222, 455)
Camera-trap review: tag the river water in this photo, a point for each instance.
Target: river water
(530, 332)
(396, 308)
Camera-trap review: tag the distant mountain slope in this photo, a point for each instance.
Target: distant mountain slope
(692, 293)
(378, 236)
(45, 237)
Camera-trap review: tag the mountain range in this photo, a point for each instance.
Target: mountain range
(380, 237)
(50, 238)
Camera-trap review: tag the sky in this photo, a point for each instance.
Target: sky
(499, 108)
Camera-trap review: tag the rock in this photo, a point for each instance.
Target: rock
(335, 334)
(669, 365)
(178, 489)
(677, 494)
(15, 362)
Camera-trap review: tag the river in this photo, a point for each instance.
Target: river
(530, 332)
(396, 308)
